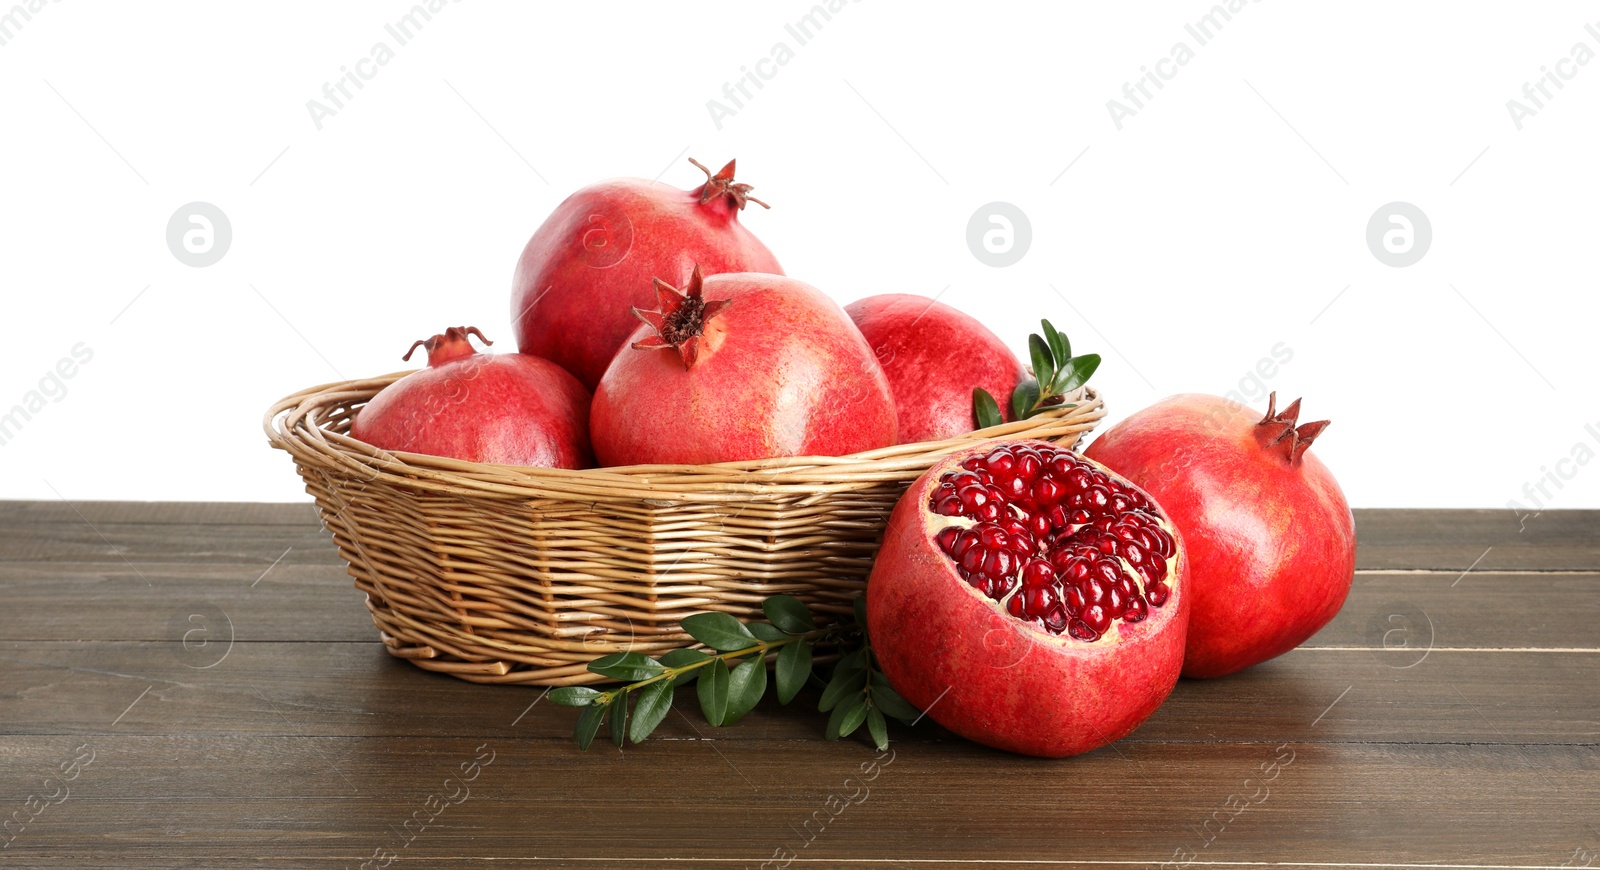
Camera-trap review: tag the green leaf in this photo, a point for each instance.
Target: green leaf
(746, 684)
(713, 691)
(855, 713)
(1044, 366)
(854, 660)
(984, 409)
(792, 671)
(630, 667)
(885, 698)
(851, 713)
(859, 608)
(767, 632)
(1059, 346)
(574, 696)
(1075, 373)
(844, 684)
(789, 614)
(877, 726)
(679, 658)
(654, 702)
(718, 631)
(619, 720)
(589, 724)
(1024, 398)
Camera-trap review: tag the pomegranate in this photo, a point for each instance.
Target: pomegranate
(595, 256)
(934, 356)
(504, 408)
(1029, 599)
(1271, 542)
(741, 366)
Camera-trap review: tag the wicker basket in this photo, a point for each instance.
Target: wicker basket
(501, 574)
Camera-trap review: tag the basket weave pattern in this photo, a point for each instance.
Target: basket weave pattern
(501, 574)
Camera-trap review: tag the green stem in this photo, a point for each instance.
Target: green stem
(761, 646)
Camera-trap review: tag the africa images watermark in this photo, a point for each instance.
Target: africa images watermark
(13, 19)
(804, 29)
(403, 31)
(1537, 92)
(52, 388)
(1204, 29)
(1566, 468)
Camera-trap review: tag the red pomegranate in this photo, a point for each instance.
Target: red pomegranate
(594, 257)
(1271, 541)
(934, 356)
(1029, 599)
(741, 366)
(503, 408)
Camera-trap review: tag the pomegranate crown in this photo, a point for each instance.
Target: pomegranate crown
(452, 344)
(681, 320)
(1278, 431)
(723, 183)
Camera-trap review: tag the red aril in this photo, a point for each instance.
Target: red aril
(503, 408)
(1028, 599)
(1271, 541)
(934, 356)
(741, 366)
(594, 257)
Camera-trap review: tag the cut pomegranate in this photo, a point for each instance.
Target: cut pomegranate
(1035, 596)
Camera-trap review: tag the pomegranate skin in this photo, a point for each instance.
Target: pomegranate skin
(779, 371)
(994, 679)
(1272, 544)
(504, 408)
(595, 256)
(934, 356)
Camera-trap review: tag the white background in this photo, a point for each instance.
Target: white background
(1226, 217)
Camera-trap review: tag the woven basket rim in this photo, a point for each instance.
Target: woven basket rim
(294, 424)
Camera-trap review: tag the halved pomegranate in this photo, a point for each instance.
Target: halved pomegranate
(1029, 599)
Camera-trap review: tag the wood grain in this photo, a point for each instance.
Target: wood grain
(223, 670)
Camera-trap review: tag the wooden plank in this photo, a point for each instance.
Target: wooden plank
(1478, 610)
(1484, 540)
(153, 801)
(107, 600)
(357, 689)
(1389, 539)
(139, 543)
(112, 601)
(227, 513)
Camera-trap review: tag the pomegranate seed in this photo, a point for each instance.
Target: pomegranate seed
(1037, 572)
(1081, 630)
(1136, 611)
(1000, 461)
(1120, 503)
(1096, 618)
(998, 563)
(950, 507)
(1055, 620)
(1157, 593)
(1039, 600)
(1014, 606)
(972, 559)
(992, 537)
(1074, 601)
(947, 539)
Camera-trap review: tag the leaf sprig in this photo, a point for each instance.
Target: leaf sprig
(732, 679)
(1056, 372)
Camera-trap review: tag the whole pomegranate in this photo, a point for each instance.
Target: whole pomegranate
(1029, 599)
(1272, 544)
(595, 255)
(933, 356)
(741, 366)
(503, 408)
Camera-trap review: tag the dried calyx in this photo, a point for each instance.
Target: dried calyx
(723, 184)
(1054, 539)
(452, 344)
(680, 322)
(1277, 431)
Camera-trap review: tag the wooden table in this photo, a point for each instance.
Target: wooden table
(207, 679)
